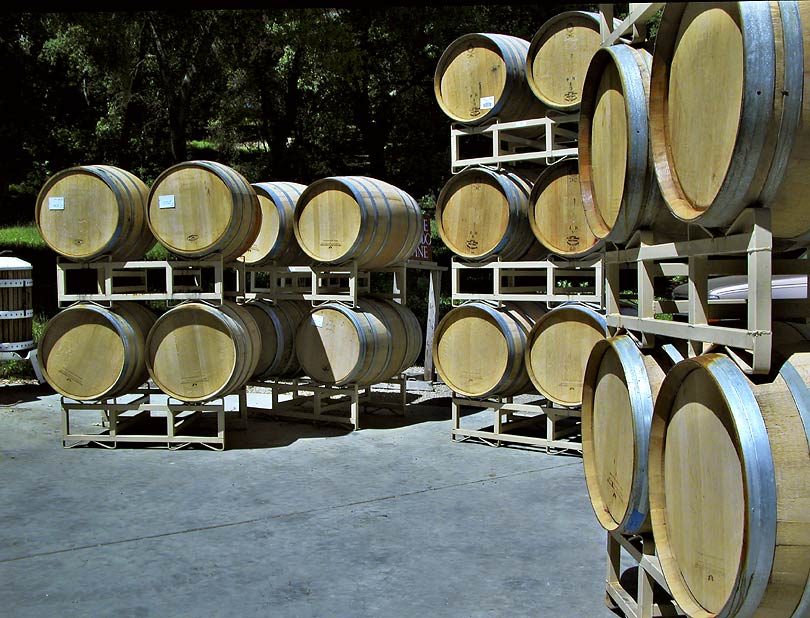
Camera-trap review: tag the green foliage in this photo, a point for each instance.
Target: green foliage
(158, 252)
(278, 93)
(21, 236)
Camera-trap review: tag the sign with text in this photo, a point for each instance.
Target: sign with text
(425, 249)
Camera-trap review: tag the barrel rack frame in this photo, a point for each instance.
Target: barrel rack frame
(122, 416)
(318, 403)
(179, 419)
(562, 425)
(747, 248)
(321, 403)
(121, 281)
(504, 279)
(110, 288)
(640, 549)
(554, 141)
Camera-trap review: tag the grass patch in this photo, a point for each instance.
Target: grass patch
(158, 252)
(28, 236)
(21, 236)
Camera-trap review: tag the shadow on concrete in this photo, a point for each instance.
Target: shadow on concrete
(17, 393)
(266, 430)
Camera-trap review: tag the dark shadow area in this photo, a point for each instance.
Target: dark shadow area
(17, 393)
(266, 432)
(628, 580)
(383, 411)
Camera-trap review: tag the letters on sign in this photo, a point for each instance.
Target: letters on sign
(425, 249)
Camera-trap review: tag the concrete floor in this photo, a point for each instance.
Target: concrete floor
(293, 521)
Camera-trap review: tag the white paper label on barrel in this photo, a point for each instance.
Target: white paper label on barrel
(56, 203)
(317, 320)
(165, 201)
(487, 103)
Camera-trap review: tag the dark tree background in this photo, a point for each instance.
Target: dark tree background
(277, 93)
(280, 93)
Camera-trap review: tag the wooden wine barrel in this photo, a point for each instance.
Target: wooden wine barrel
(88, 352)
(481, 77)
(558, 58)
(356, 218)
(729, 498)
(729, 118)
(276, 243)
(619, 190)
(277, 322)
(16, 305)
(91, 211)
(480, 349)
(197, 352)
(367, 344)
(619, 390)
(558, 348)
(483, 213)
(199, 208)
(557, 214)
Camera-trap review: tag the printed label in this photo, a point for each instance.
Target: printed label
(165, 201)
(56, 203)
(487, 103)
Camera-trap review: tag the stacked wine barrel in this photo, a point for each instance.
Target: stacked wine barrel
(88, 213)
(197, 351)
(522, 213)
(374, 225)
(710, 461)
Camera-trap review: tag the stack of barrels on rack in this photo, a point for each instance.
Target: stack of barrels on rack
(710, 460)
(197, 350)
(517, 212)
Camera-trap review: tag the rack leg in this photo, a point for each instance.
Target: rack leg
(355, 418)
(614, 569)
(33, 356)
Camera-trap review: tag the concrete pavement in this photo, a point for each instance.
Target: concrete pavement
(293, 521)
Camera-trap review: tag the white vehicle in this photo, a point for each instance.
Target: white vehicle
(735, 287)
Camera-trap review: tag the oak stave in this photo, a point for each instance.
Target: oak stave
(201, 208)
(557, 351)
(483, 213)
(358, 219)
(728, 473)
(88, 352)
(87, 212)
(370, 343)
(481, 77)
(734, 132)
(558, 57)
(197, 352)
(619, 389)
(278, 322)
(620, 192)
(276, 243)
(479, 349)
(557, 213)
